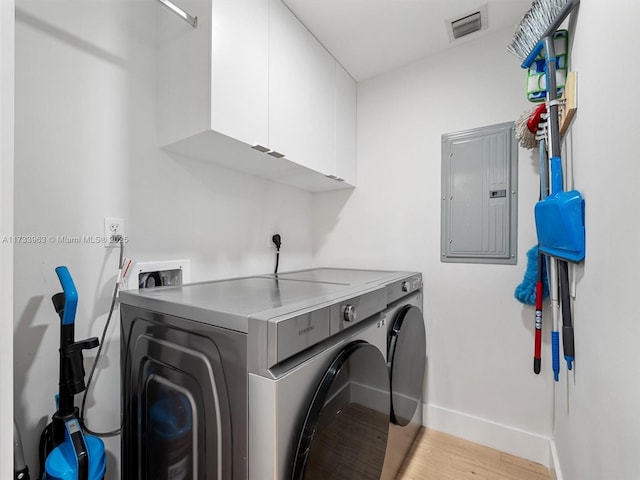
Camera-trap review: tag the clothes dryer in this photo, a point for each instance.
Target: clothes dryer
(406, 349)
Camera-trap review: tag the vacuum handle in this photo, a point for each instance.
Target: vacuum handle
(74, 377)
(70, 296)
(58, 303)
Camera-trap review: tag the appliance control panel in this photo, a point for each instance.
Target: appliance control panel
(357, 309)
(403, 287)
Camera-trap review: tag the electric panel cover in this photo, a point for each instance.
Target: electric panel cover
(479, 195)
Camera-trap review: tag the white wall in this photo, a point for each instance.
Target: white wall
(597, 428)
(86, 149)
(480, 339)
(6, 229)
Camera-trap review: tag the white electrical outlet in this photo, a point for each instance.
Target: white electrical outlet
(113, 227)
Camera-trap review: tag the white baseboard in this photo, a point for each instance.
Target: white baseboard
(531, 446)
(554, 468)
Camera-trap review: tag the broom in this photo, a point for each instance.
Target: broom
(534, 34)
(541, 20)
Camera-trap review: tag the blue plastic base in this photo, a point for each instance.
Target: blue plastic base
(61, 462)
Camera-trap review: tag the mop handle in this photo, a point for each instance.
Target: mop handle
(537, 357)
(555, 353)
(556, 175)
(567, 322)
(70, 296)
(555, 337)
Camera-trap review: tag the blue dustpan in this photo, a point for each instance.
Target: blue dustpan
(560, 220)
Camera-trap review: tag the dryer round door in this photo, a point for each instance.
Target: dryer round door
(344, 434)
(406, 356)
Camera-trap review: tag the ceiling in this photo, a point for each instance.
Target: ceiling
(369, 37)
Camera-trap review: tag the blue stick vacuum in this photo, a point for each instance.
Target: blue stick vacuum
(66, 453)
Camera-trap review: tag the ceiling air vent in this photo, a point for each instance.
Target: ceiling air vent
(468, 23)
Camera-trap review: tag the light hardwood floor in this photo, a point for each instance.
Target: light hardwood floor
(438, 456)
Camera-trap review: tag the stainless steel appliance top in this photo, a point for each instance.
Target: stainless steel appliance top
(229, 303)
(282, 314)
(397, 283)
(345, 276)
(275, 298)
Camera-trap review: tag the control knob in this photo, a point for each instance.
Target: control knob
(349, 313)
(406, 287)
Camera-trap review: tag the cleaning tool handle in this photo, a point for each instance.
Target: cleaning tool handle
(555, 354)
(537, 349)
(567, 322)
(552, 95)
(568, 347)
(537, 360)
(544, 190)
(556, 175)
(532, 56)
(70, 295)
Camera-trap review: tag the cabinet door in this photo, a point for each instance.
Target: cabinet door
(319, 117)
(184, 90)
(301, 93)
(240, 69)
(287, 96)
(345, 126)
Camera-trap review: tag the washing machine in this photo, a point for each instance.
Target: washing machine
(259, 377)
(406, 349)
(406, 361)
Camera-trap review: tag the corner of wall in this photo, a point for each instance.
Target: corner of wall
(555, 473)
(7, 23)
(528, 445)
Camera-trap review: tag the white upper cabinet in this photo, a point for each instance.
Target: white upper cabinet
(345, 126)
(215, 76)
(240, 69)
(252, 89)
(287, 75)
(320, 123)
(301, 93)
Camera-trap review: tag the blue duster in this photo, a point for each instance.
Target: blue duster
(526, 291)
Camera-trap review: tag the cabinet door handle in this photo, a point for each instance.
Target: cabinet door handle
(273, 153)
(333, 177)
(190, 19)
(261, 148)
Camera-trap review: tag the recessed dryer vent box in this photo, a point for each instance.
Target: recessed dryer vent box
(479, 195)
(158, 274)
